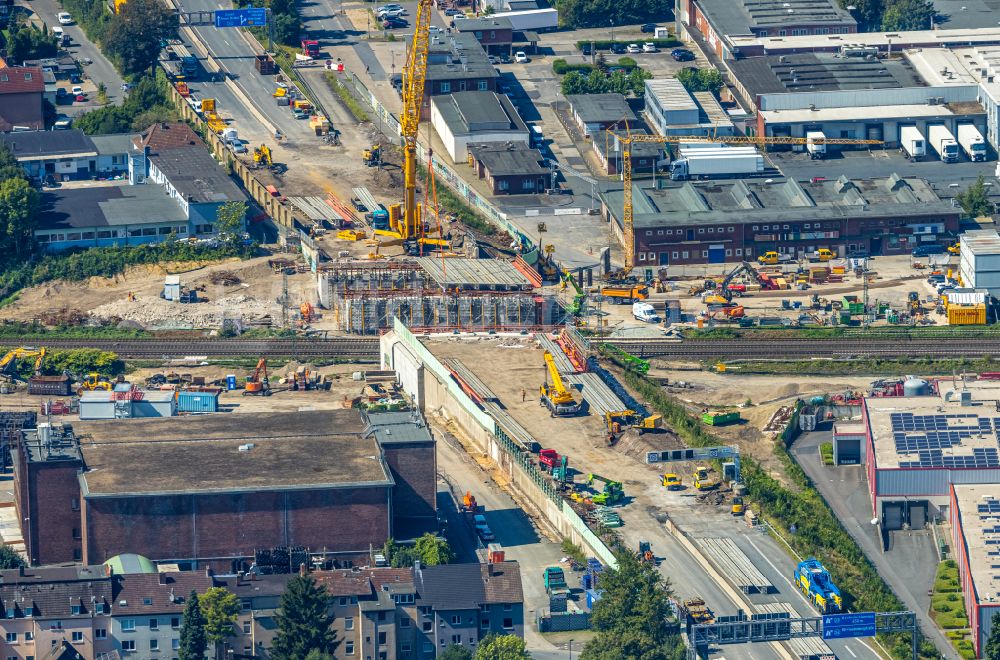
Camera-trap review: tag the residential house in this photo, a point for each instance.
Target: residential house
(21, 92)
(458, 63)
(70, 154)
(495, 35)
(510, 169)
(148, 611)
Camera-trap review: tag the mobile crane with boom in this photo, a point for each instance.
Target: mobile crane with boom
(559, 400)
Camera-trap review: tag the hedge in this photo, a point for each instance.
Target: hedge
(606, 44)
(561, 67)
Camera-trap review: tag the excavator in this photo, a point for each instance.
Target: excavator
(262, 156)
(372, 156)
(406, 219)
(258, 383)
(618, 421)
(559, 400)
(613, 492)
(9, 361)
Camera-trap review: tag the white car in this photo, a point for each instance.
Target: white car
(77, 90)
(389, 7)
(433, 29)
(649, 47)
(633, 48)
(521, 57)
(64, 18)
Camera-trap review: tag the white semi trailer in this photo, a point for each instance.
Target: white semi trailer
(912, 142)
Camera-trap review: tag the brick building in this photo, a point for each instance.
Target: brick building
(596, 113)
(646, 157)
(495, 34)
(510, 169)
(21, 92)
(458, 63)
(719, 21)
(720, 221)
(204, 494)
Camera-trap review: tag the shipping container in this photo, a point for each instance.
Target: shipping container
(715, 418)
(195, 401)
(49, 385)
(967, 314)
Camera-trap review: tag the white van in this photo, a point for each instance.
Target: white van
(644, 312)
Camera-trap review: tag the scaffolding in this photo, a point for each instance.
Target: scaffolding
(364, 300)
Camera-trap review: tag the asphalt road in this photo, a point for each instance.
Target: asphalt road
(909, 566)
(100, 71)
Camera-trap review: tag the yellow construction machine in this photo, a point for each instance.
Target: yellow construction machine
(93, 381)
(702, 479)
(372, 157)
(559, 400)
(8, 364)
(262, 156)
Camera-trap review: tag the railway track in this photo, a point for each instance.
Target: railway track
(173, 348)
(799, 349)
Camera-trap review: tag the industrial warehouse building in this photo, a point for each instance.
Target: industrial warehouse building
(917, 447)
(720, 22)
(975, 529)
(465, 118)
(672, 110)
(216, 490)
(862, 98)
(720, 221)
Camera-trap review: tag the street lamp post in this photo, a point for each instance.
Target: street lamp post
(612, 30)
(571, 649)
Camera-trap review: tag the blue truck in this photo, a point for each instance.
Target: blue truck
(815, 582)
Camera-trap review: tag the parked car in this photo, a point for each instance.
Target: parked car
(585, 49)
(238, 146)
(682, 55)
(77, 90)
(390, 13)
(80, 98)
(927, 250)
(60, 92)
(64, 18)
(649, 47)
(433, 29)
(521, 57)
(616, 69)
(633, 49)
(649, 27)
(75, 78)
(392, 6)
(504, 59)
(617, 49)
(393, 23)
(451, 11)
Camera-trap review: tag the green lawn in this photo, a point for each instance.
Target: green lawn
(948, 608)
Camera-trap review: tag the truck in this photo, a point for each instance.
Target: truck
(555, 581)
(972, 142)
(644, 312)
(912, 143)
(189, 63)
(310, 48)
(771, 258)
(709, 163)
(815, 582)
(943, 142)
(822, 254)
(265, 65)
(625, 293)
(538, 20)
(816, 144)
(549, 458)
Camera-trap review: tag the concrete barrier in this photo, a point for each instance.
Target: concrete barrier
(430, 384)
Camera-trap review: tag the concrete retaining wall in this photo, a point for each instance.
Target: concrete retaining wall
(440, 393)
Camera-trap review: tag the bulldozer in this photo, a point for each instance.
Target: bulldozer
(372, 156)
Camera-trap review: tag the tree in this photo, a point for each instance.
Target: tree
(304, 619)
(868, 13)
(432, 550)
(974, 200)
(606, 13)
(631, 617)
(193, 642)
(701, 80)
(455, 652)
(9, 558)
(31, 43)
(287, 29)
(18, 215)
(992, 649)
(908, 15)
(221, 607)
(136, 33)
(501, 647)
(318, 655)
(490, 10)
(230, 221)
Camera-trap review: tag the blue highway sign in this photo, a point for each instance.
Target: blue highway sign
(252, 17)
(839, 626)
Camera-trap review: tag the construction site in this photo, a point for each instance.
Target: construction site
(434, 293)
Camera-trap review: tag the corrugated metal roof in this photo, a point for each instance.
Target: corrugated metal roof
(670, 94)
(491, 273)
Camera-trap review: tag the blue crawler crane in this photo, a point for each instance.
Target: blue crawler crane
(815, 582)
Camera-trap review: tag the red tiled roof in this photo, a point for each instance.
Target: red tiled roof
(21, 79)
(348, 582)
(168, 135)
(151, 592)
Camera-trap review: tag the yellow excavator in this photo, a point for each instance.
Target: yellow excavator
(8, 364)
(262, 156)
(372, 156)
(559, 400)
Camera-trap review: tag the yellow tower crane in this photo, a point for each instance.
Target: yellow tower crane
(406, 220)
(628, 138)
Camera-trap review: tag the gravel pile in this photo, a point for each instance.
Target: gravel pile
(155, 311)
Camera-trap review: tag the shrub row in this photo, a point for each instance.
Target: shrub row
(606, 44)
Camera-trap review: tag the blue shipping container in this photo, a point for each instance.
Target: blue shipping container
(188, 402)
